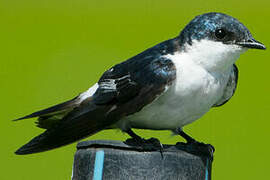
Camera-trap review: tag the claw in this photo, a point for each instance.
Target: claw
(206, 149)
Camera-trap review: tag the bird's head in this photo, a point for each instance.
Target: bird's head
(220, 28)
(217, 37)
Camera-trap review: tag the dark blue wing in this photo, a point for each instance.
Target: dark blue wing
(124, 89)
(137, 82)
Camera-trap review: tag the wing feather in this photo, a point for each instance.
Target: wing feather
(230, 88)
(122, 90)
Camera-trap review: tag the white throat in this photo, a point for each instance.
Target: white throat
(213, 56)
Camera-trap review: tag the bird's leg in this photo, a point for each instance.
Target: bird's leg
(188, 138)
(133, 135)
(207, 149)
(145, 144)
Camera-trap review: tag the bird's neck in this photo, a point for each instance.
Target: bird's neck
(213, 56)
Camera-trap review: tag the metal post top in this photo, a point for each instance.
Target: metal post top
(113, 144)
(107, 159)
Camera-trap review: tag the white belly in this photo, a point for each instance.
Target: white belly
(202, 73)
(192, 94)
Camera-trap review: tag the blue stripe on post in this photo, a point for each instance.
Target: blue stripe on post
(206, 170)
(98, 169)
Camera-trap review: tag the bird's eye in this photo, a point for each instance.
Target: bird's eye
(220, 33)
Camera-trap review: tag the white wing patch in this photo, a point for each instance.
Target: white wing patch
(110, 84)
(90, 92)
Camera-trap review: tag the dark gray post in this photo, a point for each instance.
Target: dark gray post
(115, 160)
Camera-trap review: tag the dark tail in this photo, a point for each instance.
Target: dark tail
(78, 124)
(52, 110)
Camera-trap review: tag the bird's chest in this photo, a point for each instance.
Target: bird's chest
(191, 95)
(196, 88)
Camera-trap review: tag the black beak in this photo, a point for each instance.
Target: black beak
(252, 44)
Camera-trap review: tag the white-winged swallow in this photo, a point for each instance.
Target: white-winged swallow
(165, 87)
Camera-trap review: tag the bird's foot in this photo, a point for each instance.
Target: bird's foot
(151, 144)
(200, 148)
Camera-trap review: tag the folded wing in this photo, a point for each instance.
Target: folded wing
(122, 90)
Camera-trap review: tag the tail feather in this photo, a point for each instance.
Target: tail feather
(78, 124)
(53, 109)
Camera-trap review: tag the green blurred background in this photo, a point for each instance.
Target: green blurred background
(52, 50)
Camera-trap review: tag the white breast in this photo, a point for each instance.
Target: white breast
(191, 95)
(198, 86)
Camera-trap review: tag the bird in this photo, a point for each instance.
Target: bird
(165, 87)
